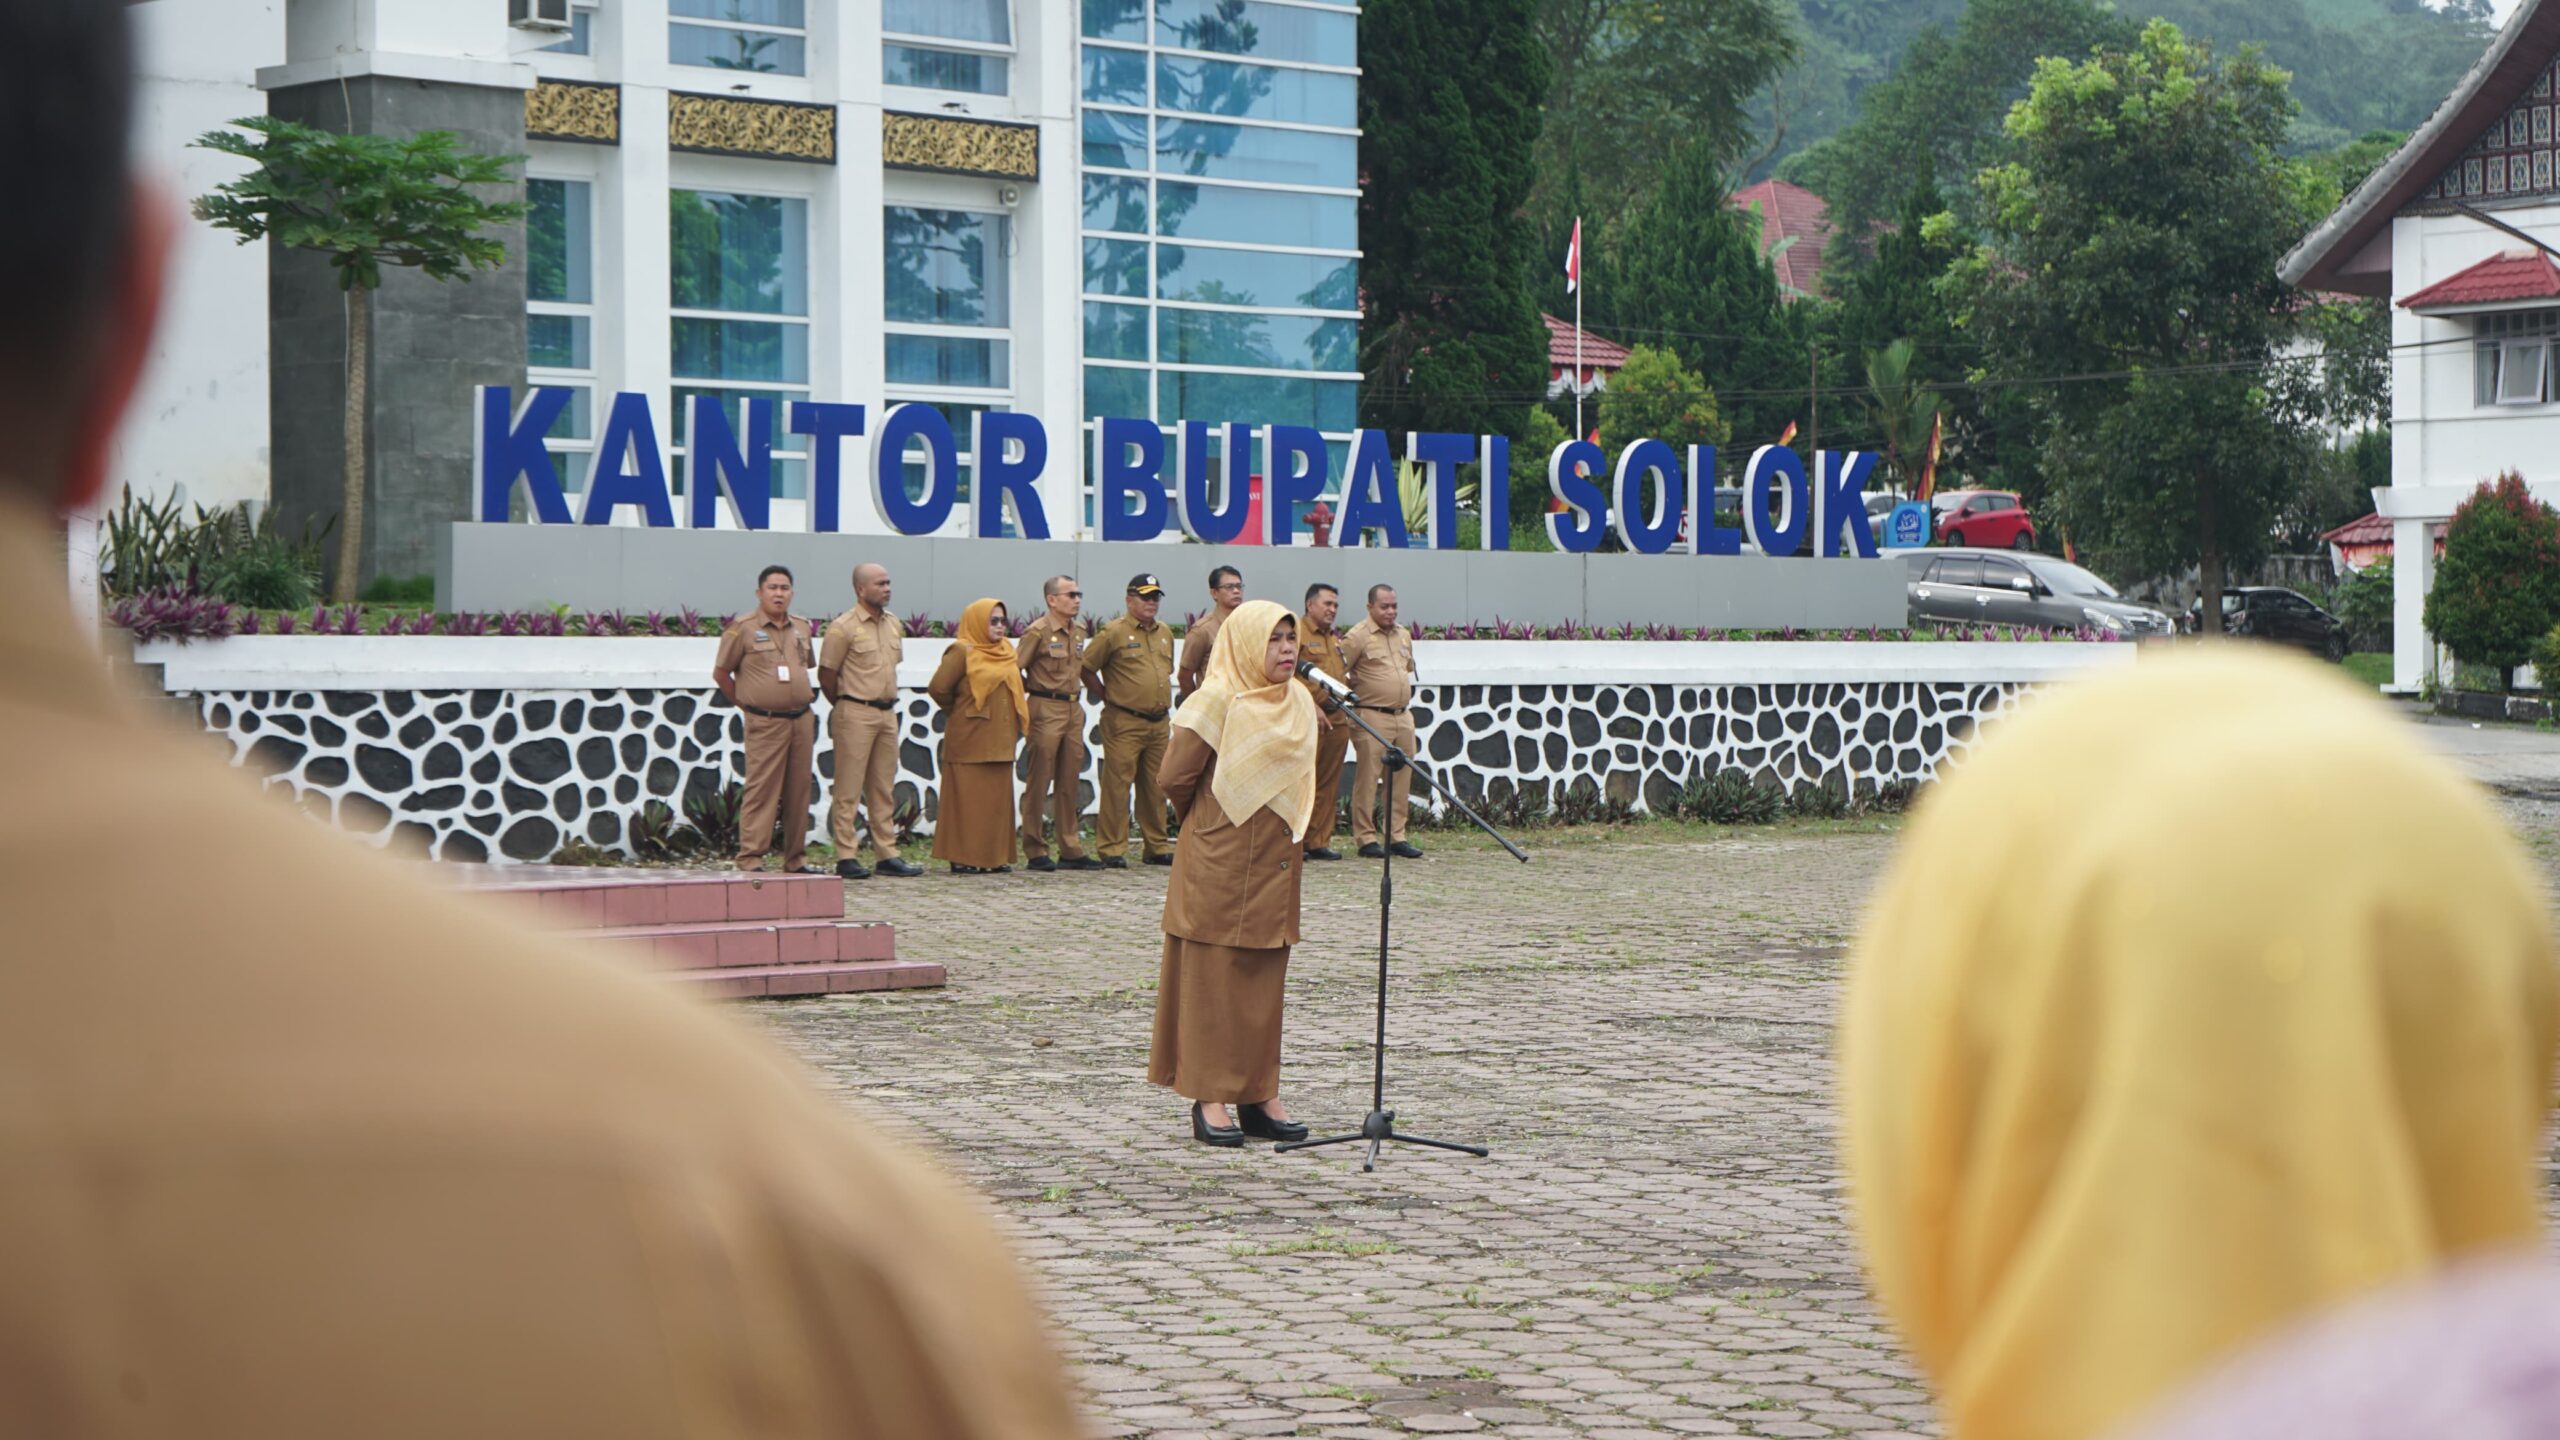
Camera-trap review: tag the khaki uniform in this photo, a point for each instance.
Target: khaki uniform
(862, 724)
(1324, 649)
(1230, 916)
(774, 670)
(1053, 754)
(1198, 642)
(1378, 666)
(1136, 666)
(477, 1185)
(975, 823)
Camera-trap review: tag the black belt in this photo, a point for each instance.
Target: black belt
(773, 714)
(874, 704)
(1381, 709)
(1150, 716)
(1051, 695)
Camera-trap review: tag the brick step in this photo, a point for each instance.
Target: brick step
(570, 899)
(735, 943)
(779, 980)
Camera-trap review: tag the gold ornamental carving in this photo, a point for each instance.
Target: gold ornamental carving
(763, 129)
(568, 110)
(959, 147)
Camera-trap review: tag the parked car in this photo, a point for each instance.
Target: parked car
(1991, 518)
(2271, 612)
(1998, 587)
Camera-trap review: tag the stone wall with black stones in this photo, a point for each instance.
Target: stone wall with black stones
(511, 775)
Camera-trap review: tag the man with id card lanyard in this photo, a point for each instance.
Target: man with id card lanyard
(767, 666)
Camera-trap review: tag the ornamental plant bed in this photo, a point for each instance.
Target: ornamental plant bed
(173, 614)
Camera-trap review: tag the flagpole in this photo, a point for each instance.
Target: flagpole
(1577, 353)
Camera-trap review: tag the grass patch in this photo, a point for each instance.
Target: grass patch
(1326, 1241)
(2368, 667)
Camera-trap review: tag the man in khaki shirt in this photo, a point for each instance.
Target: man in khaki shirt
(296, 1145)
(858, 671)
(1377, 655)
(1320, 644)
(1226, 592)
(1128, 666)
(1051, 651)
(763, 666)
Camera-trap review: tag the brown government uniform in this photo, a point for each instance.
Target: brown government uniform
(1378, 666)
(1199, 641)
(1230, 916)
(296, 1146)
(862, 650)
(1136, 667)
(774, 670)
(1323, 648)
(1053, 755)
(974, 823)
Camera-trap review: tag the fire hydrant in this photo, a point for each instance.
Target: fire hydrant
(1320, 520)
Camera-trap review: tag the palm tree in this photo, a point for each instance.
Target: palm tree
(1904, 411)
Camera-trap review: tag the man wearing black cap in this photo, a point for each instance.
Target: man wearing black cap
(1128, 666)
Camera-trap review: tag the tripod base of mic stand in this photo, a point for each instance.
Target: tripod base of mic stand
(1379, 1129)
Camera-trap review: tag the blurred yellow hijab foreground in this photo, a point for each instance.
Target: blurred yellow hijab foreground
(2201, 998)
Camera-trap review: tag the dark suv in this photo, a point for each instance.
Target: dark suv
(2271, 612)
(1995, 587)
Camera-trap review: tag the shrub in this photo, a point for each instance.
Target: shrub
(1824, 799)
(174, 614)
(2497, 590)
(265, 574)
(1733, 797)
(714, 814)
(2364, 602)
(2546, 660)
(400, 590)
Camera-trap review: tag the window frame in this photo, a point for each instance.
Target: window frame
(587, 380)
(2503, 339)
(748, 27)
(791, 470)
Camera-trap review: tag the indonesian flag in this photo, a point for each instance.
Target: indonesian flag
(1788, 436)
(1573, 259)
(1929, 470)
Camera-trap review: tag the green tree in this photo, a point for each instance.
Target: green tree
(2497, 588)
(1903, 411)
(1654, 397)
(1689, 274)
(364, 201)
(1452, 340)
(2130, 266)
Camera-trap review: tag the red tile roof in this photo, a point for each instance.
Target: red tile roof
(2502, 279)
(1791, 211)
(2371, 530)
(1605, 356)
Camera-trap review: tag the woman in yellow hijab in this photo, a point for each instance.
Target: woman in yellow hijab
(979, 688)
(1240, 769)
(2257, 1017)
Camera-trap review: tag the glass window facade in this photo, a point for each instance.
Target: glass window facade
(1220, 198)
(975, 35)
(768, 37)
(560, 288)
(738, 287)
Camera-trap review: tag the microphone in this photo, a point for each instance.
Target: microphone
(1307, 670)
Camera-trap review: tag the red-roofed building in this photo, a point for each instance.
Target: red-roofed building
(1601, 359)
(2359, 543)
(2459, 228)
(1795, 228)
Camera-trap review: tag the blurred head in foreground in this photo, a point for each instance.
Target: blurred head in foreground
(2257, 1017)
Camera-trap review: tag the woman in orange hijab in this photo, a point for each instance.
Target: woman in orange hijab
(1240, 769)
(979, 688)
(2259, 1020)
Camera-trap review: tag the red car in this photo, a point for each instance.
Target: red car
(1992, 519)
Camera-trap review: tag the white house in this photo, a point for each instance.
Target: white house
(2460, 229)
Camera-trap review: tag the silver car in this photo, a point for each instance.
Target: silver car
(2003, 587)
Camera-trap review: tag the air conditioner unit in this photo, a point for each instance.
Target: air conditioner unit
(546, 15)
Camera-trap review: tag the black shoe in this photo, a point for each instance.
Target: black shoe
(1324, 852)
(1226, 1136)
(1161, 857)
(1257, 1122)
(1043, 864)
(1115, 862)
(1373, 851)
(1081, 862)
(895, 866)
(1406, 850)
(852, 870)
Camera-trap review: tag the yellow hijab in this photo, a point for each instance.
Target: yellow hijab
(1265, 734)
(2201, 999)
(992, 666)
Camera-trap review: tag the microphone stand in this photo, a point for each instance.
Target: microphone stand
(1379, 1128)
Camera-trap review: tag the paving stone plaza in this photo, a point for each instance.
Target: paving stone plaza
(1639, 1025)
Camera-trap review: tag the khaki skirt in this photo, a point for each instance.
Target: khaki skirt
(975, 826)
(1218, 1022)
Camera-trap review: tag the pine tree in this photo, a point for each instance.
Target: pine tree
(1450, 106)
(1689, 274)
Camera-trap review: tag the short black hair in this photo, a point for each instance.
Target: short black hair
(66, 115)
(1319, 588)
(1222, 572)
(1374, 589)
(770, 571)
